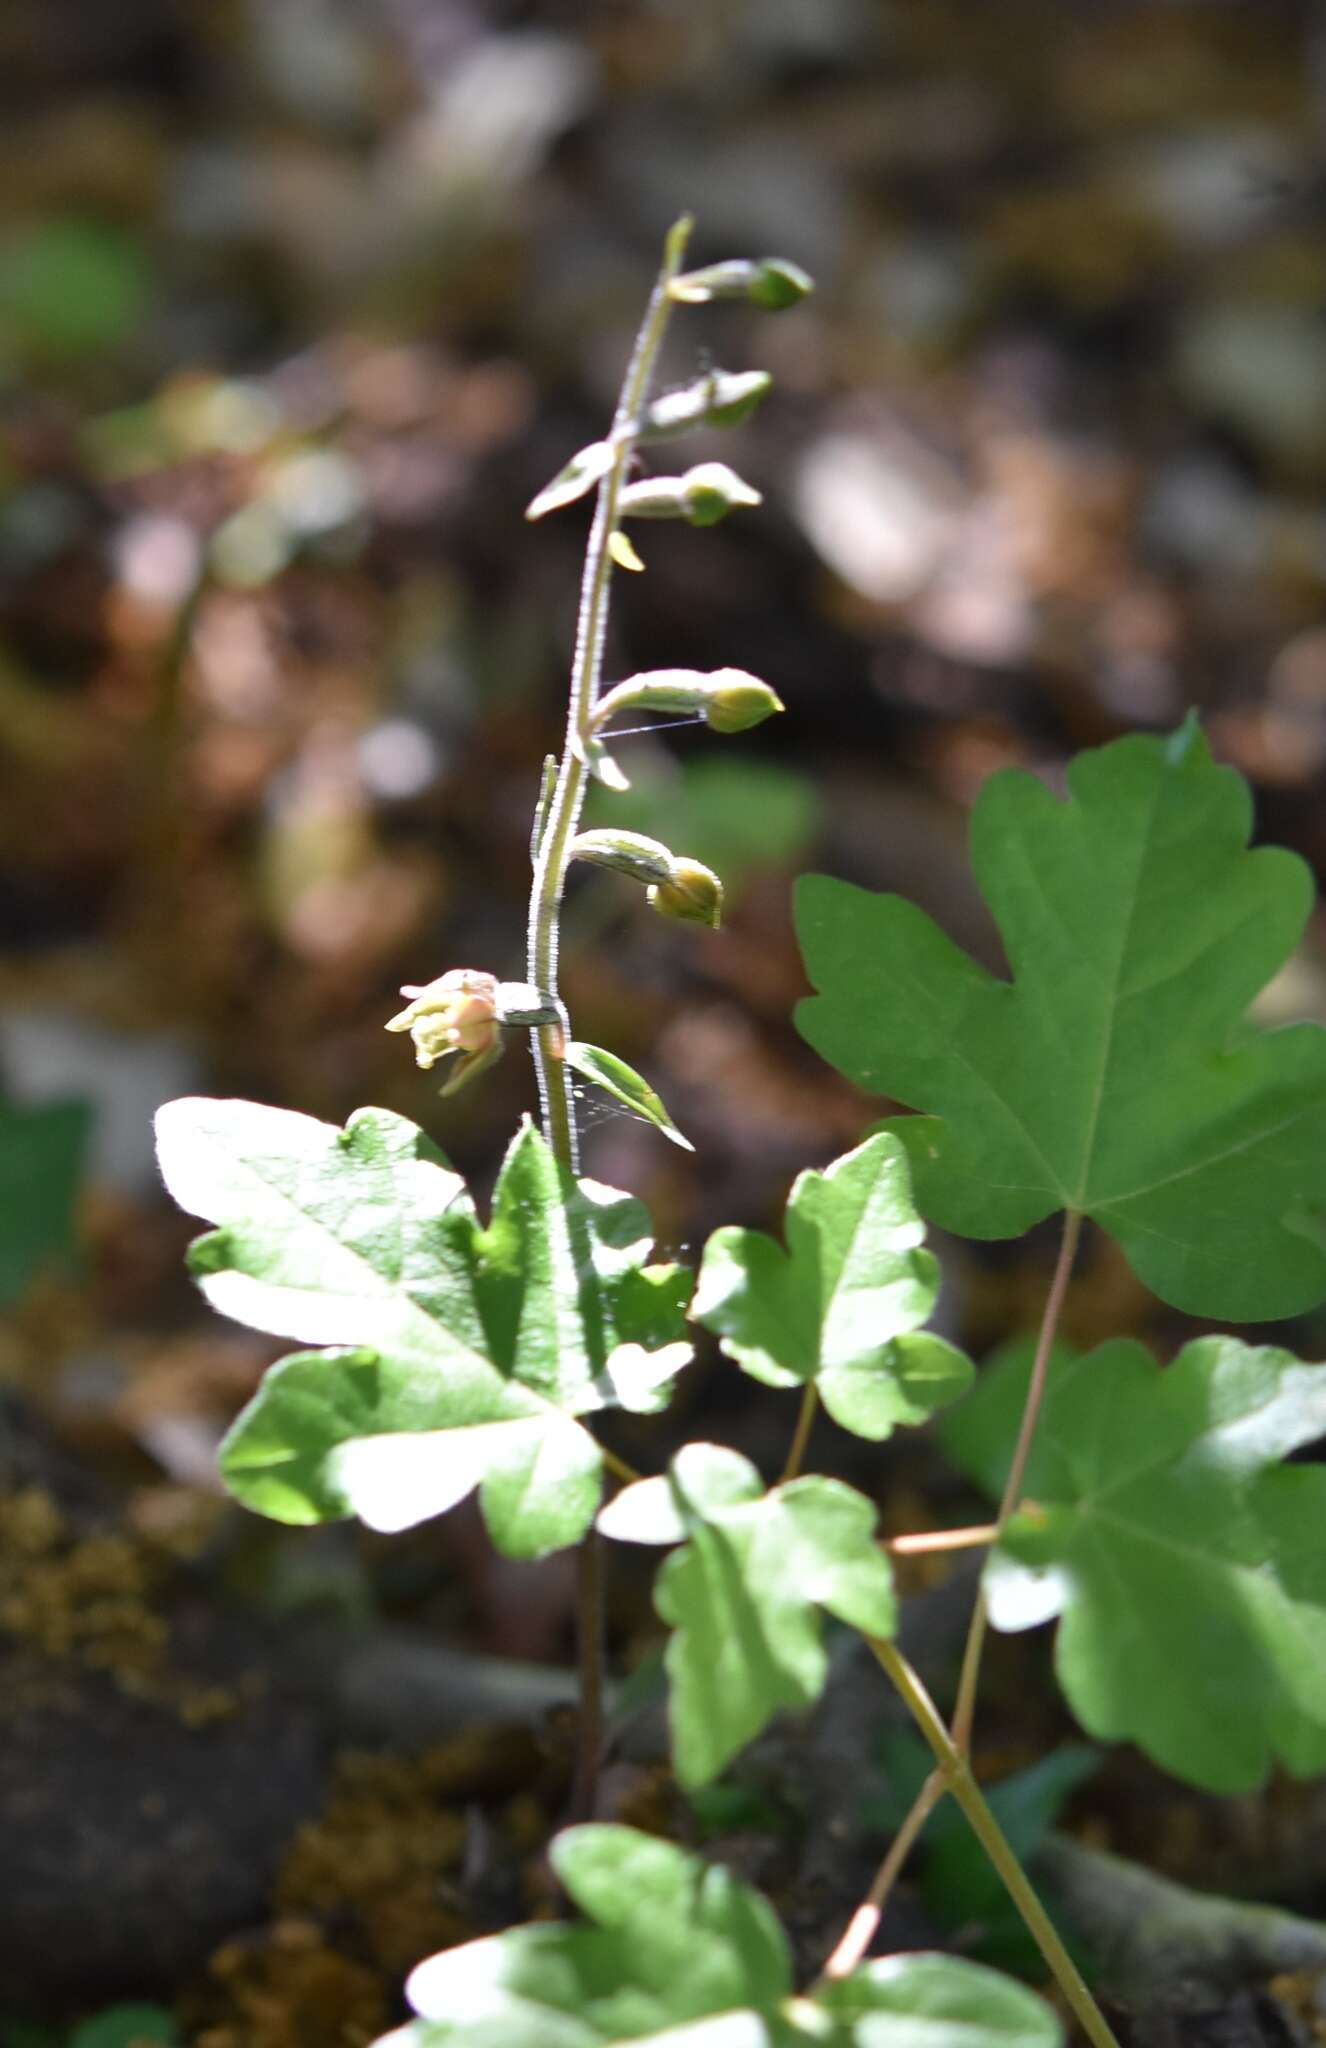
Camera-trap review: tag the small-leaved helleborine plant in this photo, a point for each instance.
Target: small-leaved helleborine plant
(1115, 1080)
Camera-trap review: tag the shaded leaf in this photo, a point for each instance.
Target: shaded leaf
(71, 288)
(622, 1082)
(1185, 1563)
(1115, 1075)
(43, 1151)
(127, 2026)
(743, 1595)
(477, 1348)
(842, 1304)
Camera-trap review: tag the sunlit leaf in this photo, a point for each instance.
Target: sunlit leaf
(933, 2001)
(475, 1349)
(842, 1305)
(678, 1953)
(1115, 1074)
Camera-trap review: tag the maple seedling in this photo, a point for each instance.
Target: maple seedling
(1115, 1077)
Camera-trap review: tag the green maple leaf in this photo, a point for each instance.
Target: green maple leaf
(1185, 1563)
(681, 1954)
(467, 1353)
(1115, 1074)
(743, 1595)
(841, 1306)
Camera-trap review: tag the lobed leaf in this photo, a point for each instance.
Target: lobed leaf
(936, 2001)
(1184, 1561)
(464, 1355)
(743, 1595)
(681, 1954)
(1115, 1074)
(842, 1305)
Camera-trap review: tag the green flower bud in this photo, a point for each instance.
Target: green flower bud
(703, 496)
(728, 699)
(725, 398)
(711, 490)
(739, 702)
(692, 893)
(770, 282)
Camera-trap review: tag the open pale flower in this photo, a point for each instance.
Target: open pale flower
(457, 1013)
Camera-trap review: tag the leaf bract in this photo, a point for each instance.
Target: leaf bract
(620, 1080)
(585, 469)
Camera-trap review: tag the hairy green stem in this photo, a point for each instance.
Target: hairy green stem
(965, 1707)
(568, 792)
(555, 825)
(955, 1771)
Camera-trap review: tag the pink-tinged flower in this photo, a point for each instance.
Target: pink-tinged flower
(457, 1013)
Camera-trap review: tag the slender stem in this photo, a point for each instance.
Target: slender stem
(864, 1923)
(801, 1434)
(551, 858)
(965, 1707)
(589, 1641)
(619, 1467)
(927, 1540)
(956, 1774)
(568, 793)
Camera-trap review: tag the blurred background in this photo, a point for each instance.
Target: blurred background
(300, 303)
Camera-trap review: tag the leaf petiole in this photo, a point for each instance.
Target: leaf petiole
(955, 1774)
(965, 1706)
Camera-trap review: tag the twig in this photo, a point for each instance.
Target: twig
(923, 1542)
